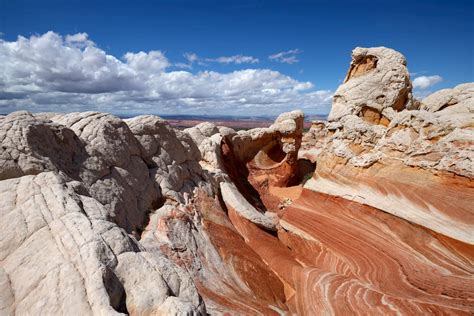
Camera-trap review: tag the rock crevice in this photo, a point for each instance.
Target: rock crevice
(368, 212)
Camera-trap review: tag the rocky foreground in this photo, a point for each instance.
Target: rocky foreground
(104, 216)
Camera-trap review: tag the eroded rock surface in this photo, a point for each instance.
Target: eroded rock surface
(105, 216)
(376, 85)
(462, 94)
(61, 254)
(419, 166)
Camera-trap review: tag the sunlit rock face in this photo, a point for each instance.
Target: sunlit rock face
(103, 216)
(377, 82)
(462, 94)
(368, 214)
(417, 164)
(350, 258)
(262, 159)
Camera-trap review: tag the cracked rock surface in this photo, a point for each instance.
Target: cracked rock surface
(104, 216)
(417, 164)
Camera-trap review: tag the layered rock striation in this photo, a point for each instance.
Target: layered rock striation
(106, 216)
(415, 164)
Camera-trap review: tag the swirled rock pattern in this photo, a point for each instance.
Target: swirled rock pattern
(103, 216)
(415, 164)
(355, 258)
(340, 257)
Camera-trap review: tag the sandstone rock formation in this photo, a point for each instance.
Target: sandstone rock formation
(462, 94)
(417, 165)
(376, 85)
(102, 216)
(105, 216)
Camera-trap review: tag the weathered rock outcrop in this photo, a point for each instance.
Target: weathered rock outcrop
(102, 216)
(105, 216)
(376, 85)
(418, 165)
(462, 95)
(258, 160)
(61, 254)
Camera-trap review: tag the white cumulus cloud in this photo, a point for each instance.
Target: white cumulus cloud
(288, 57)
(424, 82)
(150, 63)
(50, 72)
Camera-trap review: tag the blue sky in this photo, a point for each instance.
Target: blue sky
(203, 42)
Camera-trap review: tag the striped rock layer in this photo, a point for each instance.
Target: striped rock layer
(370, 213)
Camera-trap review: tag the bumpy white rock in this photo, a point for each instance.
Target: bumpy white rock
(462, 94)
(377, 79)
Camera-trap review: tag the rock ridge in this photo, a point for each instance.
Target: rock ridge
(369, 212)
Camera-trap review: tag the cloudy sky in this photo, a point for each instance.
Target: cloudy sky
(217, 57)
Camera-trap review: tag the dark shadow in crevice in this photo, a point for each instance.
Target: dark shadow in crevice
(273, 233)
(155, 204)
(305, 170)
(115, 290)
(221, 202)
(238, 173)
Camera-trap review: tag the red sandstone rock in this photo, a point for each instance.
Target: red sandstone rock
(419, 167)
(134, 216)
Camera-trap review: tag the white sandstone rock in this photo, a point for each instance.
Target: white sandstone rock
(377, 79)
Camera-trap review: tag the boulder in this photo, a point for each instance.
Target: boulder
(377, 81)
(30, 146)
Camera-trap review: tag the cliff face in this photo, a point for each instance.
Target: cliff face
(103, 216)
